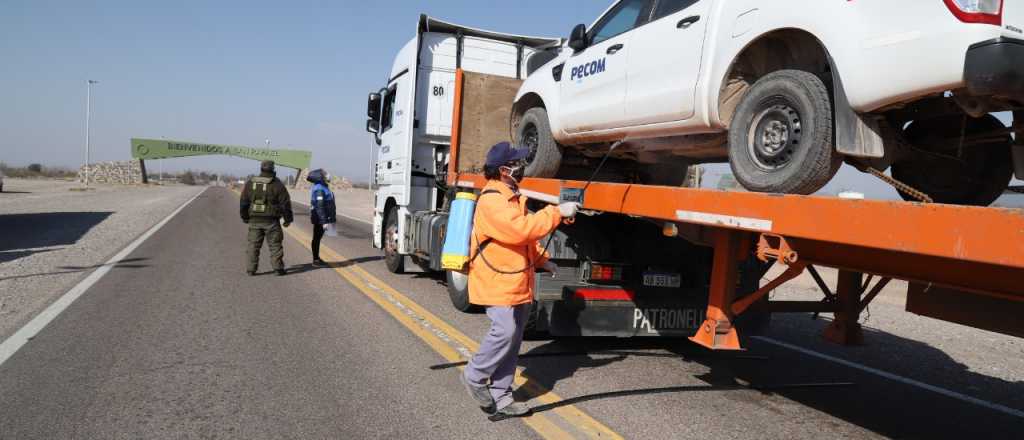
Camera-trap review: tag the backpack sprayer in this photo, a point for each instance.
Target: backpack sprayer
(455, 252)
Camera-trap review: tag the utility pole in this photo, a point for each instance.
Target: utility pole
(88, 108)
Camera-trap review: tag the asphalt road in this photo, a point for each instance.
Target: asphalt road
(186, 346)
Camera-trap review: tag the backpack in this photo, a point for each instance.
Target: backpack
(260, 205)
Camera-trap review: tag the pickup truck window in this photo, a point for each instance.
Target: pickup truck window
(669, 7)
(622, 19)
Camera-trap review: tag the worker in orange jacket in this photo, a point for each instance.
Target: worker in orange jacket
(505, 255)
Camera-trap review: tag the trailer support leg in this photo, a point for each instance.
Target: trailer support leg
(846, 329)
(717, 331)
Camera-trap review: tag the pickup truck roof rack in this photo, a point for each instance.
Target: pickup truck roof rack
(963, 264)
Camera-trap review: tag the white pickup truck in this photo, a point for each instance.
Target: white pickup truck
(786, 91)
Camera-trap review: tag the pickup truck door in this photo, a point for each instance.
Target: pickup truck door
(593, 84)
(664, 62)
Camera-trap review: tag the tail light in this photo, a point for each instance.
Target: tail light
(602, 272)
(977, 11)
(604, 294)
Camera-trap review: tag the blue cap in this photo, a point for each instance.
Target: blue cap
(503, 153)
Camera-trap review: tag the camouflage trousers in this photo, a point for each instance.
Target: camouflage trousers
(271, 230)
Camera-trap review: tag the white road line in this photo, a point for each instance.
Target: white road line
(37, 324)
(948, 393)
(339, 215)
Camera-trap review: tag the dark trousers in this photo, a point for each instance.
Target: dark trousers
(318, 233)
(271, 230)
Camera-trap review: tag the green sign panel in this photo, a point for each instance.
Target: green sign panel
(166, 148)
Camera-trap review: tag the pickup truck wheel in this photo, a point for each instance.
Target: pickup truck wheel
(780, 139)
(534, 132)
(392, 259)
(458, 292)
(974, 172)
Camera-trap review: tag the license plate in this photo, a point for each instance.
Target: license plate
(656, 279)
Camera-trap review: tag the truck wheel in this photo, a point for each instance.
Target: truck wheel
(973, 174)
(458, 291)
(394, 261)
(530, 330)
(780, 139)
(534, 132)
(755, 320)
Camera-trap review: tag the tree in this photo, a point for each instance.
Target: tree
(35, 168)
(187, 178)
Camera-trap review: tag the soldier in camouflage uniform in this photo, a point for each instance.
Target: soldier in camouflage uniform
(264, 202)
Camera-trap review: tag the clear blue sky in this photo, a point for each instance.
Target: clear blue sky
(226, 72)
(231, 72)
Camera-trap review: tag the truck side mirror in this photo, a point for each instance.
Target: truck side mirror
(372, 126)
(373, 106)
(578, 38)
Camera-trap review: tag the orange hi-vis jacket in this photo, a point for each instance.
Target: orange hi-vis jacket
(514, 245)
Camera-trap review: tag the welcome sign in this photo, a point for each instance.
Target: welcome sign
(167, 148)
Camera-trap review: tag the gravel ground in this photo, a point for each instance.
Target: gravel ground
(53, 237)
(354, 203)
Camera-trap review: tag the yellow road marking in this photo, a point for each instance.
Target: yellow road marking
(372, 287)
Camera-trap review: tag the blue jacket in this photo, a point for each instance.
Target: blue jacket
(322, 208)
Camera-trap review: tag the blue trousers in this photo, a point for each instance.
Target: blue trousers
(496, 359)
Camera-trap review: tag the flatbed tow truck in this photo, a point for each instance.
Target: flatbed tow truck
(962, 264)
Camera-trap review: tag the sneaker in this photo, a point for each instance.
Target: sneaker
(514, 409)
(319, 263)
(479, 393)
(281, 272)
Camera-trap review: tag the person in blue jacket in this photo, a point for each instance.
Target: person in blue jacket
(322, 210)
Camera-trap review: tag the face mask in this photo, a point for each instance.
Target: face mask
(516, 172)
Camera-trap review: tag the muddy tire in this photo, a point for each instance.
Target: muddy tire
(781, 137)
(392, 259)
(534, 132)
(980, 175)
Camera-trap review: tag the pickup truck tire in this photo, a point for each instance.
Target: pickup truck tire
(978, 178)
(458, 292)
(534, 132)
(392, 259)
(780, 138)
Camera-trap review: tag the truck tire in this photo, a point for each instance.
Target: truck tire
(458, 292)
(755, 320)
(531, 331)
(534, 132)
(780, 139)
(392, 259)
(978, 178)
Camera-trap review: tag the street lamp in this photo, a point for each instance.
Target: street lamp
(88, 107)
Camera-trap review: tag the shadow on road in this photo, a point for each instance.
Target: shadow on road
(308, 267)
(128, 263)
(879, 404)
(15, 192)
(26, 233)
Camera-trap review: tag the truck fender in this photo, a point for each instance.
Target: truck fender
(856, 134)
